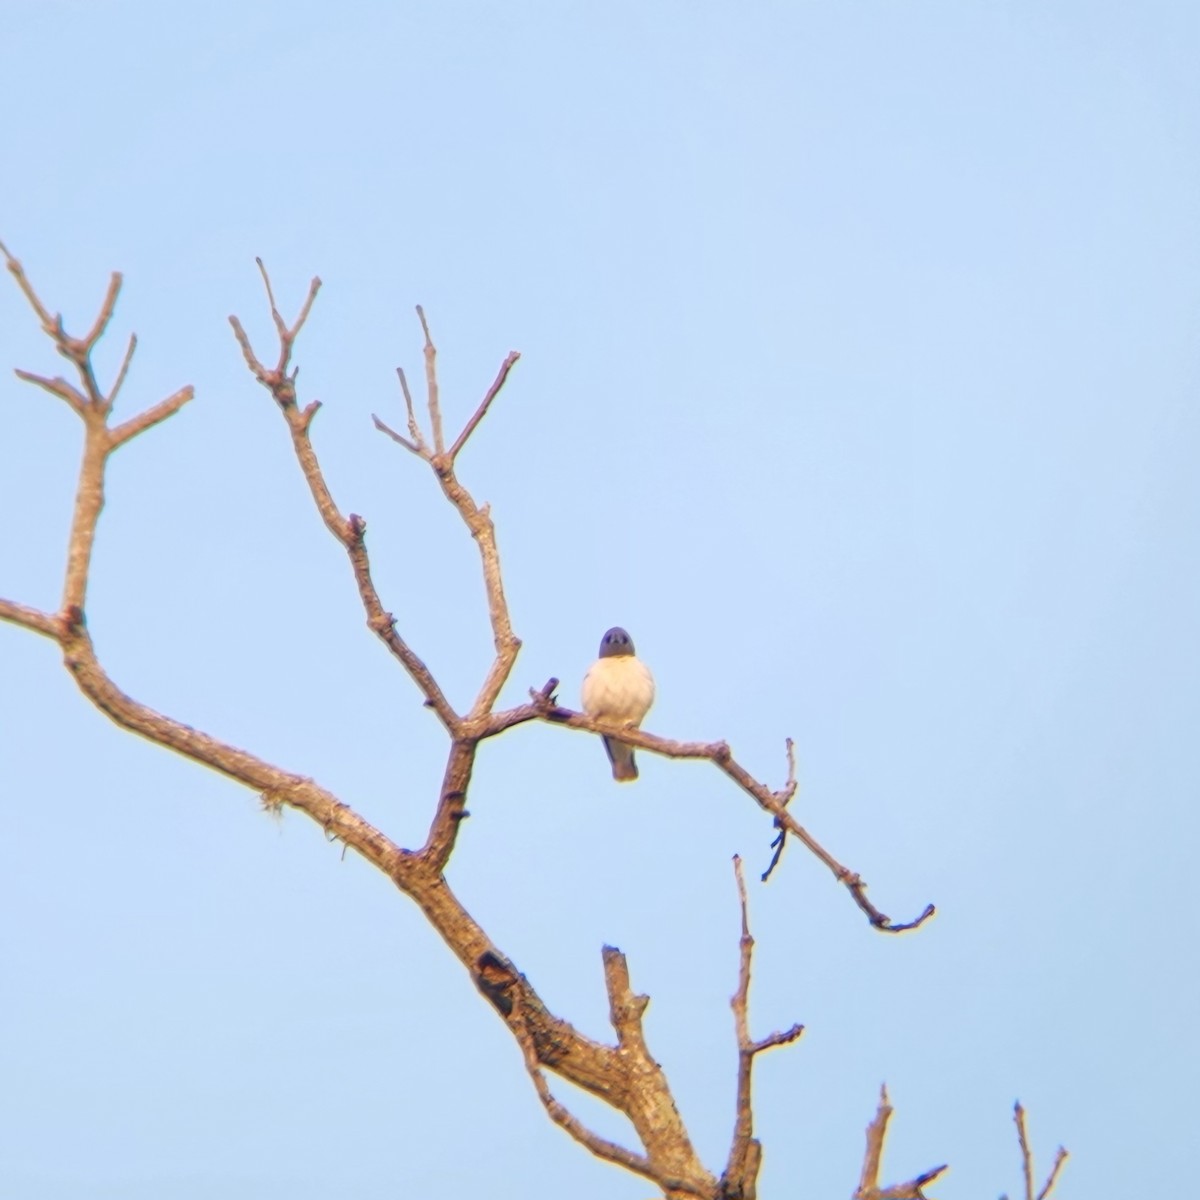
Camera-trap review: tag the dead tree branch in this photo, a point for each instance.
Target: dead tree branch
(486, 403)
(1027, 1168)
(477, 518)
(670, 1160)
(777, 846)
(868, 1185)
(482, 722)
(349, 531)
(542, 707)
(740, 1178)
(625, 1075)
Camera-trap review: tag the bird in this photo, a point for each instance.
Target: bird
(618, 687)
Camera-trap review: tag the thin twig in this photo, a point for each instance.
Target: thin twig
(116, 387)
(914, 1189)
(1027, 1167)
(280, 325)
(88, 343)
(383, 427)
(1059, 1158)
(285, 389)
(741, 1168)
(481, 412)
(414, 427)
(431, 384)
(1026, 1155)
(152, 416)
(56, 387)
(49, 324)
(789, 791)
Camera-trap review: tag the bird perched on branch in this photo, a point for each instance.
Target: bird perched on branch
(618, 688)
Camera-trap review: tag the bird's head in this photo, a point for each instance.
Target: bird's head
(615, 642)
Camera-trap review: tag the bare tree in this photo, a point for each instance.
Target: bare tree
(624, 1075)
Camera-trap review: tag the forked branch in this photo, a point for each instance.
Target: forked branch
(643, 1096)
(349, 531)
(477, 518)
(868, 1185)
(1027, 1167)
(93, 407)
(740, 1178)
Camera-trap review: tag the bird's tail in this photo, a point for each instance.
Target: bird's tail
(620, 754)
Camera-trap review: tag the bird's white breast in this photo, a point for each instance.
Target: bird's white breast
(619, 688)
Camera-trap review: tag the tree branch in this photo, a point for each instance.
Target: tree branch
(33, 619)
(625, 1076)
(51, 325)
(116, 387)
(481, 412)
(431, 385)
(56, 387)
(351, 531)
(557, 1045)
(87, 344)
(152, 416)
(451, 808)
(789, 791)
(1027, 1168)
(396, 437)
(93, 409)
(602, 1148)
(868, 1186)
(76, 350)
(649, 1104)
(477, 519)
(739, 1180)
(542, 707)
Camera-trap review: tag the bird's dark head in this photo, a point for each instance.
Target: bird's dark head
(615, 642)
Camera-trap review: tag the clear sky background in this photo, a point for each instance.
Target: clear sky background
(861, 353)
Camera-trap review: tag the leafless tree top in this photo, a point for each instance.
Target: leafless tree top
(624, 1074)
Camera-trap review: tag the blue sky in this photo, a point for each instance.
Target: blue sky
(859, 382)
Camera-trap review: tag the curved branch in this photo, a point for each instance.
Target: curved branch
(276, 785)
(542, 707)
